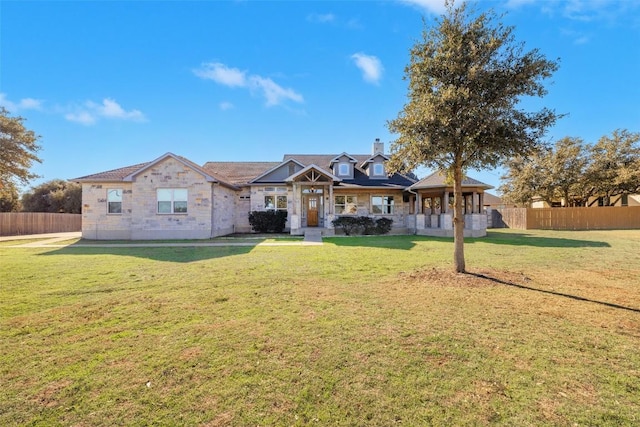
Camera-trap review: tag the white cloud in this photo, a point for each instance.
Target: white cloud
(370, 66)
(91, 112)
(222, 74)
(273, 93)
(82, 117)
(23, 104)
(224, 106)
(321, 18)
(433, 6)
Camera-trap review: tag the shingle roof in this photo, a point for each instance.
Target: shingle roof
(438, 180)
(360, 177)
(127, 173)
(238, 173)
(113, 175)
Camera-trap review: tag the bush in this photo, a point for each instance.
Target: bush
(383, 225)
(362, 225)
(268, 221)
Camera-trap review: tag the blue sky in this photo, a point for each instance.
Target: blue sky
(109, 84)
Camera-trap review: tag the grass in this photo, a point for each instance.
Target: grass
(359, 331)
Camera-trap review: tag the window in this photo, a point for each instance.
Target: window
(378, 169)
(114, 200)
(172, 200)
(346, 205)
(382, 205)
(344, 169)
(275, 202)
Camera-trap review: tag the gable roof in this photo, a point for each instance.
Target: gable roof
(360, 177)
(371, 159)
(128, 173)
(322, 171)
(275, 168)
(113, 175)
(239, 173)
(438, 180)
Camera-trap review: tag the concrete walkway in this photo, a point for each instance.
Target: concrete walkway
(51, 240)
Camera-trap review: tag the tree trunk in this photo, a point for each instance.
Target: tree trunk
(458, 222)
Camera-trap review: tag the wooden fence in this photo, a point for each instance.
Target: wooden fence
(18, 223)
(593, 218)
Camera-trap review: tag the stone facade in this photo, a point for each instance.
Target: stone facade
(174, 198)
(139, 218)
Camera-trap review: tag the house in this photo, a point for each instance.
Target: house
(172, 197)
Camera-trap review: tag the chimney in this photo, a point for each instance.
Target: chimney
(378, 147)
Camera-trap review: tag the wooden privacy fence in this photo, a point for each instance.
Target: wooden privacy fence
(18, 223)
(592, 218)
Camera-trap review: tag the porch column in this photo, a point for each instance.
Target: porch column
(445, 202)
(332, 208)
(419, 203)
(476, 202)
(481, 202)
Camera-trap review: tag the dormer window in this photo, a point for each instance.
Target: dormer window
(378, 169)
(344, 169)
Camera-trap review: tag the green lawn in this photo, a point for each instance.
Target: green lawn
(360, 331)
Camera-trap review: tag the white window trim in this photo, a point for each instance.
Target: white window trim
(345, 204)
(109, 192)
(173, 202)
(383, 206)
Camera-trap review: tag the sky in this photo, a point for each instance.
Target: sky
(108, 84)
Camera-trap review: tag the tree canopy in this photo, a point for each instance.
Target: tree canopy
(574, 172)
(9, 198)
(18, 148)
(467, 77)
(56, 196)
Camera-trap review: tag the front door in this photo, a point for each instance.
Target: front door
(312, 211)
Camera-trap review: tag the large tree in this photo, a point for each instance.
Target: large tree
(467, 77)
(615, 165)
(57, 196)
(9, 198)
(550, 174)
(18, 148)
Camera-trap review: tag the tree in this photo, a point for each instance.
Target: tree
(466, 78)
(615, 165)
(18, 148)
(550, 174)
(9, 198)
(55, 196)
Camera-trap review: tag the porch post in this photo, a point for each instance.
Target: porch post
(445, 202)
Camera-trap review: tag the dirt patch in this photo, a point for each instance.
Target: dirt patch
(49, 395)
(479, 278)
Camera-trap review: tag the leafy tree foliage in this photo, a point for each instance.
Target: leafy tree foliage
(575, 172)
(18, 148)
(549, 173)
(9, 198)
(466, 78)
(615, 165)
(55, 196)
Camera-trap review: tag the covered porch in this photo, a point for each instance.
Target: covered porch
(435, 206)
(312, 204)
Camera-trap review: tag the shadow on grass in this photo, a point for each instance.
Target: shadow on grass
(407, 242)
(524, 239)
(178, 254)
(560, 294)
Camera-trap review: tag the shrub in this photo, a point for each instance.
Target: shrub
(362, 225)
(268, 221)
(383, 225)
(349, 224)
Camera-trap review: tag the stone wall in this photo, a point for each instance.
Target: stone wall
(97, 224)
(146, 223)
